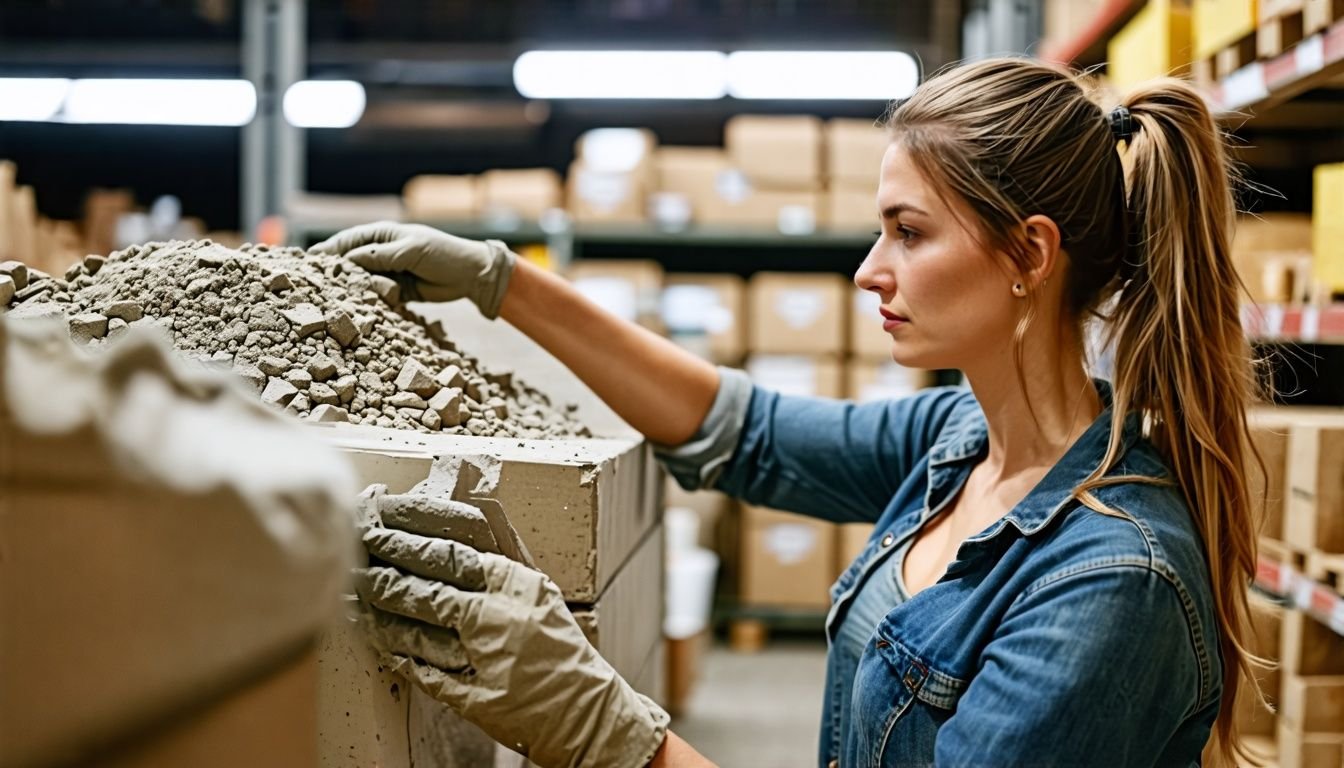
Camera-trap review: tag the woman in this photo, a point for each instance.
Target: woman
(1058, 574)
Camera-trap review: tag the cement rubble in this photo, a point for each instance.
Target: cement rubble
(316, 336)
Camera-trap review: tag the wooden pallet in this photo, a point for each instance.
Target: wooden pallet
(1276, 35)
(1319, 14)
(1327, 569)
(1234, 57)
(750, 627)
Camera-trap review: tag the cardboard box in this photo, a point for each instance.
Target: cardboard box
(854, 151)
(1266, 624)
(1269, 436)
(1314, 516)
(1327, 226)
(1319, 14)
(1308, 647)
(441, 197)
(525, 193)
(776, 151)
(850, 541)
(809, 376)
(798, 313)
(884, 380)
(1278, 33)
(1259, 240)
(852, 208)
(631, 289)
(605, 196)
(792, 212)
(707, 314)
(684, 659)
(1272, 9)
(787, 560)
(1155, 43)
(1218, 24)
(1313, 703)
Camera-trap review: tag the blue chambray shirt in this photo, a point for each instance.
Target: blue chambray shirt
(1058, 636)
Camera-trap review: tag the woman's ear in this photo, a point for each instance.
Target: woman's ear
(1041, 236)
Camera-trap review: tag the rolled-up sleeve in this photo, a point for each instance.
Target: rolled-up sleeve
(824, 458)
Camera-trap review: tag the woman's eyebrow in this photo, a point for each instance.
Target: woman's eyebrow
(892, 211)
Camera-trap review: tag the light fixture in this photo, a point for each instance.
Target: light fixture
(821, 75)
(161, 102)
(32, 99)
(621, 74)
(324, 103)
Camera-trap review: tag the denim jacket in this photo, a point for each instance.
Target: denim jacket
(1058, 636)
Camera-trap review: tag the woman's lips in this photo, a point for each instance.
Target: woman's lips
(891, 320)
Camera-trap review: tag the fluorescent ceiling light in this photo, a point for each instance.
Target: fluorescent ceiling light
(821, 75)
(161, 102)
(324, 103)
(35, 99)
(621, 74)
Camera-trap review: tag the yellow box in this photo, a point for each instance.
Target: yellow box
(1155, 43)
(1220, 23)
(1327, 226)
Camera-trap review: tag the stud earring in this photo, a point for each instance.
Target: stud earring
(1018, 290)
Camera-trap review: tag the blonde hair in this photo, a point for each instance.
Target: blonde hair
(1149, 237)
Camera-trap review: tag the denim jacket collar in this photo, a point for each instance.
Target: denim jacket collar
(966, 436)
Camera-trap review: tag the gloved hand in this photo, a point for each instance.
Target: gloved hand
(493, 639)
(440, 267)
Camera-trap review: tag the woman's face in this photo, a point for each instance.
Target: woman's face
(946, 301)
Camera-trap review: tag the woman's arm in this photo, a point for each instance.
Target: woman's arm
(659, 388)
(676, 753)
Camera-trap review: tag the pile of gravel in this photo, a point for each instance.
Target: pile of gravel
(315, 335)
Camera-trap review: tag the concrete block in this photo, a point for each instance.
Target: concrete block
(626, 622)
(7, 289)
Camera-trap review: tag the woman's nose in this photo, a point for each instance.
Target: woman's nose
(875, 274)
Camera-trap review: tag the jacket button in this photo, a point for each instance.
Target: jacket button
(886, 540)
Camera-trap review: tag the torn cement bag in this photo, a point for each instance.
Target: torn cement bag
(165, 541)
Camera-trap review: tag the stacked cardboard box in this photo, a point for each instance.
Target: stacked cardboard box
(854, 151)
(1272, 253)
(1224, 31)
(1328, 227)
(612, 175)
(628, 288)
(779, 176)
(1155, 43)
(1314, 511)
(442, 197)
(706, 313)
(524, 193)
(1311, 699)
(693, 185)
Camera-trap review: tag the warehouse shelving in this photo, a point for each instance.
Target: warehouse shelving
(1088, 47)
(1294, 323)
(1321, 601)
(1316, 61)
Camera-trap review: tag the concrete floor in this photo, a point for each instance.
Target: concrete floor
(758, 710)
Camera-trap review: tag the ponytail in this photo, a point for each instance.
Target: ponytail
(1181, 358)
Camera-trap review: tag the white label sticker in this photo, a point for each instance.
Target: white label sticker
(1273, 320)
(1287, 577)
(1310, 55)
(1302, 592)
(1245, 86)
(790, 543)
(799, 308)
(1311, 323)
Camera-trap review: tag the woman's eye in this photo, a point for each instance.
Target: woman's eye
(906, 234)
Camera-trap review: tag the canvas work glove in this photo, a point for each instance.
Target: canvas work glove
(430, 265)
(492, 639)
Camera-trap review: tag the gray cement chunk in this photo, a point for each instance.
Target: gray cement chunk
(370, 381)
(16, 271)
(305, 318)
(299, 403)
(386, 288)
(365, 324)
(345, 387)
(323, 394)
(250, 374)
(447, 402)
(278, 392)
(431, 419)
(273, 366)
(130, 311)
(299, 378)
(407, 400)
(451, 377)
(500, 408)
(502, 378)
(329, 413)
(341, 328)
(321, 367)
(116, 326)
(87, 327)
(278, 281)
(477, 426)
(74, 271)
(414, 377)
(411, 415)
(7, 289)
(93, 262)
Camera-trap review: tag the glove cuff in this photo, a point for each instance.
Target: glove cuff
(645, 735)
(494, 278)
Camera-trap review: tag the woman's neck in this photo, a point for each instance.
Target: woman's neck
(1035, 416)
